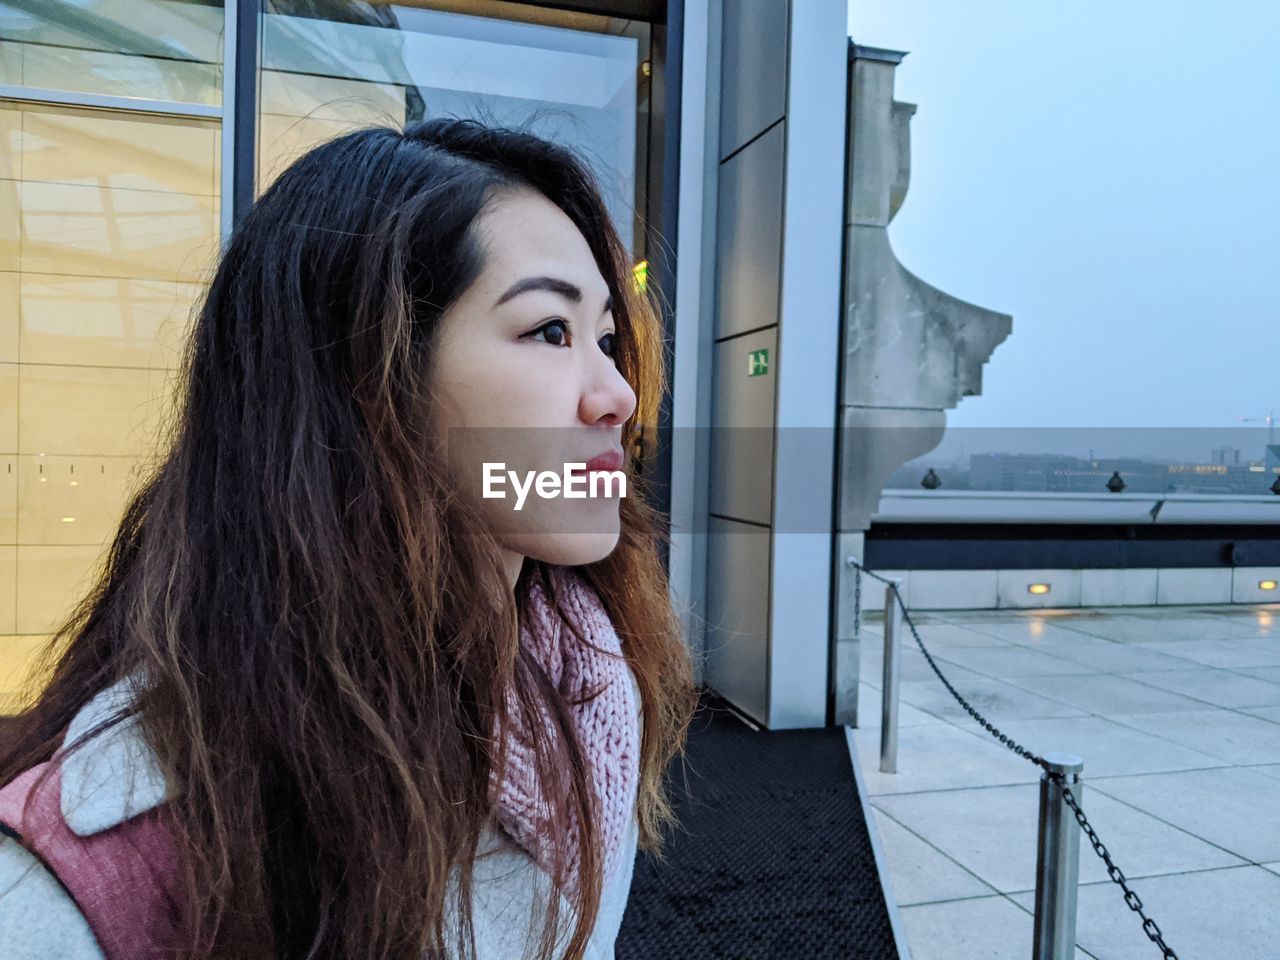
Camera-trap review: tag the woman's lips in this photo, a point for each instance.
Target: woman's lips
(605, 461)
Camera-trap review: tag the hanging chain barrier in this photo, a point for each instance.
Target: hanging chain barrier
(1131, 898)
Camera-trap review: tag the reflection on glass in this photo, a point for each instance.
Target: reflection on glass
(144, 49)
(331, 66)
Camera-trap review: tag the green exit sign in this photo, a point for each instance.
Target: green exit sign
(757, 363)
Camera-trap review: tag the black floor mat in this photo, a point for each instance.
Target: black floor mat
(771, 860)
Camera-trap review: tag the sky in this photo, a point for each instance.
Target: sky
(1109, 174)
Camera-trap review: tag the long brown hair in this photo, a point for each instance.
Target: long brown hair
(325, 631)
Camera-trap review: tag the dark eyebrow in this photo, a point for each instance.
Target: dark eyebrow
(570, 291)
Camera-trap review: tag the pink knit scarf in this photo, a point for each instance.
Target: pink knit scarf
(607, 727)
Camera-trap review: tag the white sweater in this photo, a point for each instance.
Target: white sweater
(117, 778)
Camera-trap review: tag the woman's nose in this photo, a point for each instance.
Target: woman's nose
(608, 398)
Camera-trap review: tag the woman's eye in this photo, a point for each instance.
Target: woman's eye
(554, 332)
(606, 344)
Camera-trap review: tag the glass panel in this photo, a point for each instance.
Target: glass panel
(146, 49)
(1122, 207)
(331, 66)
(108, 226)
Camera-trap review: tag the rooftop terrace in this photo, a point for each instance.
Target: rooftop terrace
(1176, 712)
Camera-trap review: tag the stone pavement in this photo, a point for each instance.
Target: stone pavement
(1176, 712)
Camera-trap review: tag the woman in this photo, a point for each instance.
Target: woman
(341, 691)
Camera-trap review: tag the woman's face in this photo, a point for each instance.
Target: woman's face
(526, 384)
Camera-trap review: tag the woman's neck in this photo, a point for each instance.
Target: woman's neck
(513, 562)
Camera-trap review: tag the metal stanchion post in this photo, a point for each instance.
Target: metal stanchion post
(1057, 860)
(889, 686)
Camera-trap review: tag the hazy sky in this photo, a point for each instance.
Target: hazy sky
(1109, 174)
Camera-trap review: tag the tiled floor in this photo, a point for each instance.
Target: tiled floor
(1176, 712)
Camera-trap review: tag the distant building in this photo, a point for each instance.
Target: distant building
(1228, 472)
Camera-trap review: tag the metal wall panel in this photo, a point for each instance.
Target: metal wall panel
(737, 664)
(753, 70)
(749, 236)
(742, 430)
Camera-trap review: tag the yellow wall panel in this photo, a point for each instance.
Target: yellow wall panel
(18, 661)
(9, 220)
(8, 317)
(8, 587)
(115, 150)
(8, 508)
(8, 408)
(72, 499)
(101, 232)
(105, 321)
(10, 139)
(51, 580)
(98, 411)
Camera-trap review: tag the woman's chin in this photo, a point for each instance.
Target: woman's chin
(568, 549)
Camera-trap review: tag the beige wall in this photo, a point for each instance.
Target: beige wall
(108, 225)
(108, 233)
